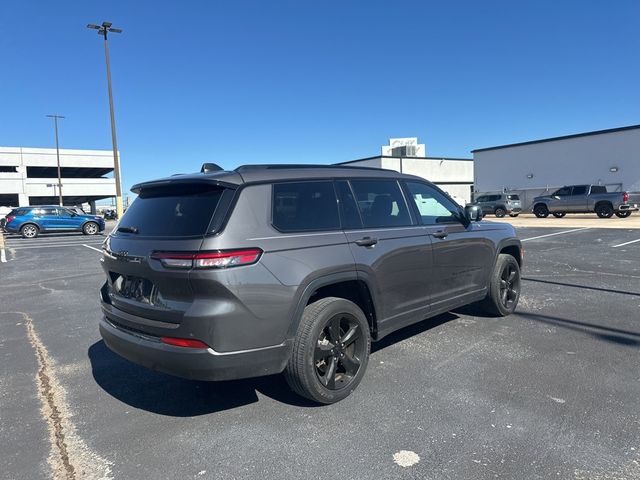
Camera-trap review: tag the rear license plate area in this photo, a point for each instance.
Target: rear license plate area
(134, 288)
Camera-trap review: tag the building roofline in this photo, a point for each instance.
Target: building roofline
(564, 137)
(404, 158)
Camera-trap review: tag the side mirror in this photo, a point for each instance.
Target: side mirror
(473, 213)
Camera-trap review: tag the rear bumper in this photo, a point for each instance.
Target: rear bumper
(193, 363)
(627, 208)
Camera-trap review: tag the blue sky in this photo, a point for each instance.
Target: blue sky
(236, 82)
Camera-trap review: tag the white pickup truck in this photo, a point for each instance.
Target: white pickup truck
(583, 199)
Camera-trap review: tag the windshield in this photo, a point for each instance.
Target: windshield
(174, 211)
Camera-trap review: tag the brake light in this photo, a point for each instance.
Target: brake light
(625, 197)
(217, 259)
(183, 342)
(10, 218)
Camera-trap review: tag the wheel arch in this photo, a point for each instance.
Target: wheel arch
(353, 286)
(510, 246)
(29, 222)
(603, 202)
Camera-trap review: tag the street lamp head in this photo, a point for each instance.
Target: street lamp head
(106, 24)
(115, 30)
(94, 26)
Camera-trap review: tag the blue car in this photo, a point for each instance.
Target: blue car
(32, 221)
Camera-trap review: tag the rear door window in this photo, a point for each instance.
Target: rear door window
(381, 203)
(172, 211)
(579, 190)
(305, 206)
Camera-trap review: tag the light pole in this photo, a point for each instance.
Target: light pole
(103, 30)
(55, 122)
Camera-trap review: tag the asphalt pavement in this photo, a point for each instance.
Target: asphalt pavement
(552, 391)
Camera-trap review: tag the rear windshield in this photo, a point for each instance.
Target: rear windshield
(513, 197)
(175, 211)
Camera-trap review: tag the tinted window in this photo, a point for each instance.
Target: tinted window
(598, 189)
(348, 206)
(47, 212)
(564, 191)
(513, 197)
(434, 207)
(381, 203)
(482, 199)
(580, 190)
(305, 206)
(173, 211)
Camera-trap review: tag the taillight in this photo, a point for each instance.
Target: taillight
(10, 218)
(625, 197)
(217, 259)
(184, 342)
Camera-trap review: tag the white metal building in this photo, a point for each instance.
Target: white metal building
(604, 157)
(406, 155)
(29, 176)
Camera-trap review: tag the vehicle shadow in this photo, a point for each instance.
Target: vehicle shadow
(601, 332)
(163, 394)
(413, 330)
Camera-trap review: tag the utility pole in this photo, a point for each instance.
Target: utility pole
(55, 122)
(103, 30)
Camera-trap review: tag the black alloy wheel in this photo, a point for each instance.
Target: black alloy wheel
(541, 211)
(500, 212)
(604, 210)
(504, 287)
(509, 286)
(339, 349)
(623, 214)
(330, 352)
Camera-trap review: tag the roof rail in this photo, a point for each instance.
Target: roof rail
(284, 166)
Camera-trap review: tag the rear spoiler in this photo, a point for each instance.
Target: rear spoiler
(186, 180)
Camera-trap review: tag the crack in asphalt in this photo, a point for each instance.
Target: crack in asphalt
(69, 456)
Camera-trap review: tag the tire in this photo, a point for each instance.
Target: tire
(623, 214)
(29, 230)
(559, 214)
(541, 211)
(514, 215)
(604, 210)
(500, 212)
(323, 367)
(504, 287)
(90, 228)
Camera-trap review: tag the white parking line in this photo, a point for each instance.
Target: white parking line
(557, 233)
(626, 243)
(92, 248)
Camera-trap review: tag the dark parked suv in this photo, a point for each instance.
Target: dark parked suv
(271, 268)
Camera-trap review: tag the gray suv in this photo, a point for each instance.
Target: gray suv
(270, 268)
(499, 204)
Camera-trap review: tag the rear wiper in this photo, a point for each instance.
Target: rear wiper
(128, 229)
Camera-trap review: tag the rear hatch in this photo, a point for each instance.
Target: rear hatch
(514, 201)
(165, 218)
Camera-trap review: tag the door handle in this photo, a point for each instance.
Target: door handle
(367, 242)
(440, 234)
